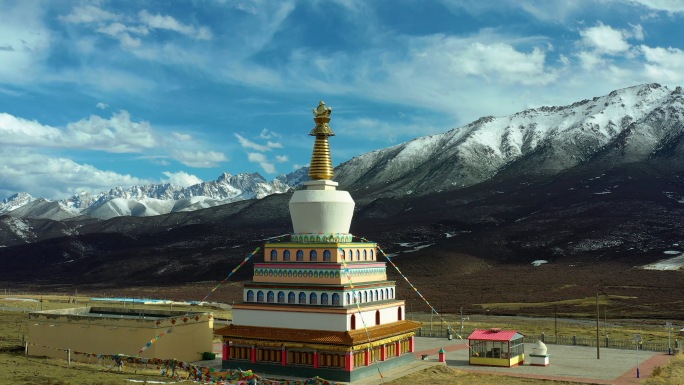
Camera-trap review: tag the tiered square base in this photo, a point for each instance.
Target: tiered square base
(538, 360)
(338, 356)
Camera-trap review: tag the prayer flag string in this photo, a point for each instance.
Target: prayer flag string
(169, 330)
(432, 308)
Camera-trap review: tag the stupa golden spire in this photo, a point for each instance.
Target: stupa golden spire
(321, 163)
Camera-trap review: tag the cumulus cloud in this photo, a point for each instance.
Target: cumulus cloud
(282, 158)
(261, 159)
(117, 134)
(102, 106)
(181, 178)
(55, 177)
(200, 159)
(605, 39)
(664, 64)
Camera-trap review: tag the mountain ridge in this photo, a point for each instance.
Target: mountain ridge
(155, 199)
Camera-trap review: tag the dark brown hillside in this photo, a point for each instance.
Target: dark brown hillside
(595, 227)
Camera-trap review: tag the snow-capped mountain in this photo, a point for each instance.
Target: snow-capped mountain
(14, 202)
(153, 200)
(627, 125)
(624, 126)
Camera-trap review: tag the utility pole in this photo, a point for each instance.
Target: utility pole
(598, 318)
(637, 339)
(555, 321)
(669, 329)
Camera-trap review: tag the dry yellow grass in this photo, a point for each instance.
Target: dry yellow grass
(443, 375)
(672, 373)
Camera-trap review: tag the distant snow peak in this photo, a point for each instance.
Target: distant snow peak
(15, 201)
(151, 200)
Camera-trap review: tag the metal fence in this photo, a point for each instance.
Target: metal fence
(605, 342)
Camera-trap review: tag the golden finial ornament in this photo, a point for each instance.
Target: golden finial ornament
(321, 163)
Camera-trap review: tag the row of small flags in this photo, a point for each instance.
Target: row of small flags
(185, 318)
(195, 373)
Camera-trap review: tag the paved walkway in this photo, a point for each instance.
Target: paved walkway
(567, 363)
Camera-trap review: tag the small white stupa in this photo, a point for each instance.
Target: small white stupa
(539, 356)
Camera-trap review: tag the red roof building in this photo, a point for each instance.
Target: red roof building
(496, 347)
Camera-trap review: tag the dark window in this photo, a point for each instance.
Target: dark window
(281, 297)
(270, 297)
(324, 299)
(274, 255)
(377, 317)
(336, 299)
(260, 296)
(313, 299)
(365, 255)
(286, 255)
(291, 298)
(300, 255)
(313, 256)
(327, 256)
(302, 297)
(399, 313)
(353, 322)
(250, 296)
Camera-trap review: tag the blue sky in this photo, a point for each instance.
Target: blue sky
(98, 94)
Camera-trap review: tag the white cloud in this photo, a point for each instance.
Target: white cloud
(181, 178)
(169, 23)
(117, 134)
(268, 134)
(605, 40)
(589, 60)
(282, 158)
(181, 136)
(246, 143)
(671, 6)
(270, 144)
(255, 157)
(637, 32)
(102, 106)
(54, 177)
(201, 159)
(86, 14)
(18, 131)
(664, 64)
